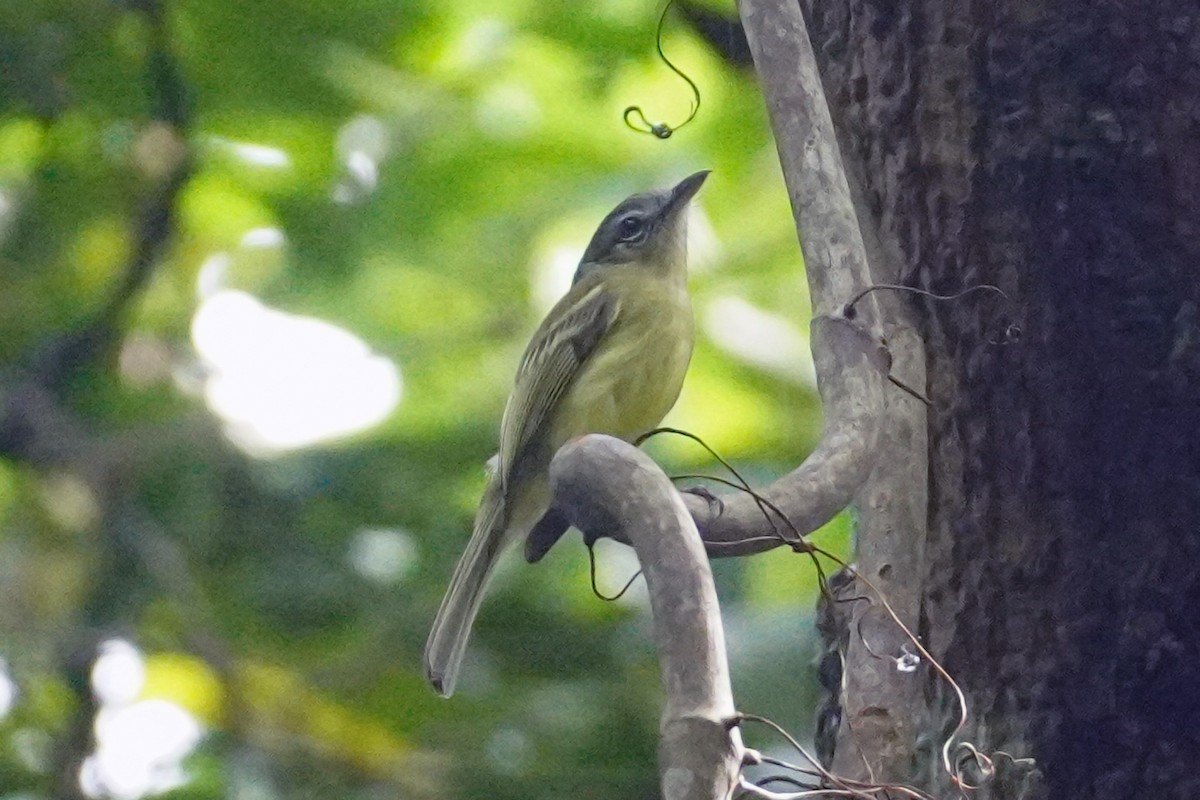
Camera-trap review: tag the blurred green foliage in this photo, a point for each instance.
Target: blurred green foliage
(425, 166)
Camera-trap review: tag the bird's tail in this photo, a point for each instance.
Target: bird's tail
(452, 626)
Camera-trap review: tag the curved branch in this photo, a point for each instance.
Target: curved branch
(852, 368)
(852, 362)
(605, 486)
(880, 701)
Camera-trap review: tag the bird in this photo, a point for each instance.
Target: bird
(610, 357)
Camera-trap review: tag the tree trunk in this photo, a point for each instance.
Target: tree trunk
(1051, 149)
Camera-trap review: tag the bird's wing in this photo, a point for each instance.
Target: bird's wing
(563, 344)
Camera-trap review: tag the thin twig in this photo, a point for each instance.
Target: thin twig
(796, 782)
(592, 572)
(947, 763)
(661, 129)
(779, 762)
(767, 794)
(762, 503)
(950, 765)
(904, 387)
(849, 311)
(825, 774)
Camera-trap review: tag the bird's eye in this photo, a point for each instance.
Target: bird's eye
(631, 228)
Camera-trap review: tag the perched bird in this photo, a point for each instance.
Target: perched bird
(609, 358)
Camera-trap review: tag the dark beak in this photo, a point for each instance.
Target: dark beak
(685, 190)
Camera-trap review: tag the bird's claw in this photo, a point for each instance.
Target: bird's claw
(716, 505)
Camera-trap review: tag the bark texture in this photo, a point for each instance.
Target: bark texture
(605, 486)
(1052, 149)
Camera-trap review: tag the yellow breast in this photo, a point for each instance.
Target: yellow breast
(634, 378)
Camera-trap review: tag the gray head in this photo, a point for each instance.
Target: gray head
(645, 228)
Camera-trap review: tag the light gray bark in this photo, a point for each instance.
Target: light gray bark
(868, 431)
(604, 485)
(851, 360)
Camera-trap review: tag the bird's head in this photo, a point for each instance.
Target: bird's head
(645, 229)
